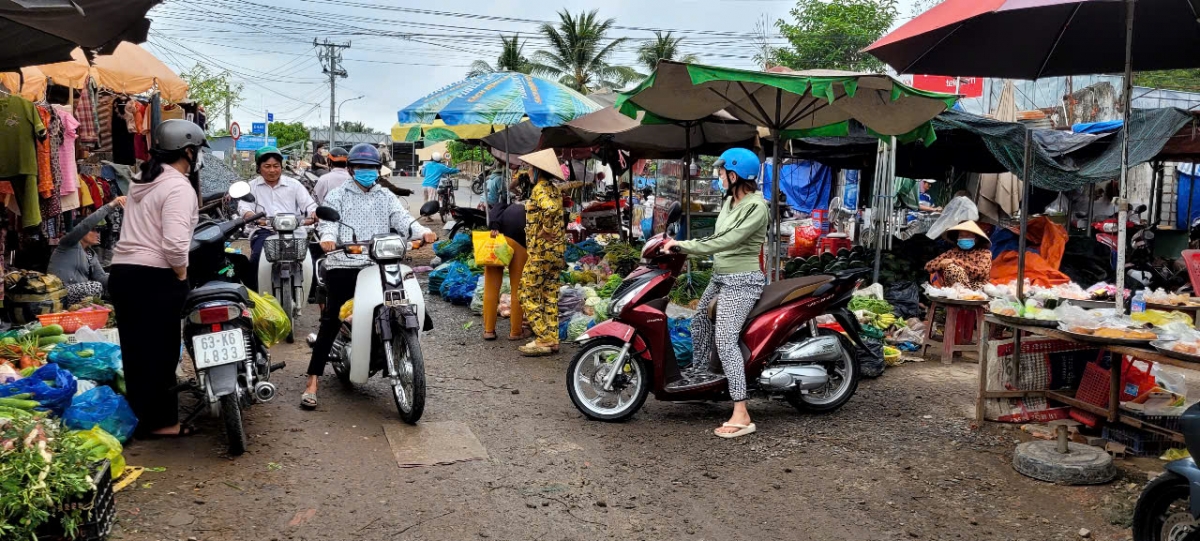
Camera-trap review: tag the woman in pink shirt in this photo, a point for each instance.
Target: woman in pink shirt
(148, 281)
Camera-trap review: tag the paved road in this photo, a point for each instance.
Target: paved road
(462, 196)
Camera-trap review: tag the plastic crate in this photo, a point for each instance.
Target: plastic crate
(293, 249)
(99, 509)
(1137, 441)
(1093, 389)
(72, 321)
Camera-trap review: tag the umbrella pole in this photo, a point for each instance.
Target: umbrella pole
(776, 167)
(1122, 201)
(687, 181)
(1021, 242)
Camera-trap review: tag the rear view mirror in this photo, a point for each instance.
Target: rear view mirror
(430, 208)
(328, 214)
(674, 214)
(240, 190)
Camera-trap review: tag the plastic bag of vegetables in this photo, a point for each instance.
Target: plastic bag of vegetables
(104, 408)
(271, 324)
(97, 361)
(51, 386)
(101, 445)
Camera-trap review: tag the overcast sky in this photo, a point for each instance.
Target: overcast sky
(402, 50)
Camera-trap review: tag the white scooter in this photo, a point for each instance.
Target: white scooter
(383, 332)
(286, 265)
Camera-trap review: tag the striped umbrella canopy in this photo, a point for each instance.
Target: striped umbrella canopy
(503, 98)
(439, 131)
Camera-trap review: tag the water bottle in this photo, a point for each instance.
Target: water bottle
(1138, 304)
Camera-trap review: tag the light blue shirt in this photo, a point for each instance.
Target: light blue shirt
(495, 188)
(434, 171)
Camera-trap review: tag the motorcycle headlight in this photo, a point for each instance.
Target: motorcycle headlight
(618, 304)
(391, 247)
(285, 223)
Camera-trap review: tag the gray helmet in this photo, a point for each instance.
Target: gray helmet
(178, 134)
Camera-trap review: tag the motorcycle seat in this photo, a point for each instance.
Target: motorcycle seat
(218, 291)
(778, 294)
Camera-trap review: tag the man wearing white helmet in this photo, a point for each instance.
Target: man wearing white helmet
(434, 171)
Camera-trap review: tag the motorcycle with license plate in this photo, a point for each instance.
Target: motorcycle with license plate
(382, 335)
(233, 367)
(622, 360)
(286, 266)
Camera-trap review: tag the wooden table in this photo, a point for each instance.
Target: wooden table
(1112, 413)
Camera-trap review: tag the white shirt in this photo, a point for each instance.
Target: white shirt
(287, 196)
(373, 212)
(328, 182)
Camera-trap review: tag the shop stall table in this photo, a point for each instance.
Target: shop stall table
(1112, 413)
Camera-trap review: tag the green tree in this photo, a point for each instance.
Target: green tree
(1187, 80)
(663, 47)
(287, 133)
(831, 34)
(212, 90)
(579, 53)
(921, 6)
(355, 126)
(462, 152)
(511, 59)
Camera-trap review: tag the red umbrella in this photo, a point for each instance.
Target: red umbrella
(1031, 39)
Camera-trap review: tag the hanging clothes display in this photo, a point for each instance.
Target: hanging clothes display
(85, 113)
(66, 152)
(45, 177)
(21, 127)
(104, 114)
(122, 134)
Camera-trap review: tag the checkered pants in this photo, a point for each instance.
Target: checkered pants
(736, 295)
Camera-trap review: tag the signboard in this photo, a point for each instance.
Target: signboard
(270, 117)
(235, 131)
(970, 87)
(258, 127)
(254, 142)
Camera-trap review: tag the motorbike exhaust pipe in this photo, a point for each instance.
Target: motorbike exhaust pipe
(264, 391)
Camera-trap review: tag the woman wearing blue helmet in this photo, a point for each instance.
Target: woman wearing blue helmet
(737, 280)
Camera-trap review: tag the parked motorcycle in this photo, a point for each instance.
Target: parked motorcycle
(1142, 270)
(233, 367)
(479, 183)
(1169, 507)
(623, 359)
(383, 332)
(286, 265)
(467, 219)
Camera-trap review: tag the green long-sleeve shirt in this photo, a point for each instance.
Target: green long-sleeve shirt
(740, 233)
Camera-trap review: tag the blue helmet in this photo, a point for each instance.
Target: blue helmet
(742, 161)
(364, 154)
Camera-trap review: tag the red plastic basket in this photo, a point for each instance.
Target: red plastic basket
(1093, 389)
(72, 321)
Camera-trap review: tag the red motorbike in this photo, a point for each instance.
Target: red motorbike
(623, 359)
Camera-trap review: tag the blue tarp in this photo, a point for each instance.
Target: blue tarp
(1004, 240)
(850, 190)
(1107, 126)
(806, 185)
(1186, 192)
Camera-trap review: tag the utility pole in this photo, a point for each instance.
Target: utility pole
(331, 64)
(228, 121)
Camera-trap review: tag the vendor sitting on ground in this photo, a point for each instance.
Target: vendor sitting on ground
(73, 261)
(968, 263)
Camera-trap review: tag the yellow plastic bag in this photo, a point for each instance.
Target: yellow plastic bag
(271, 324)
(346, 310)
(101, 445)
(488, 249)
(1160, 318)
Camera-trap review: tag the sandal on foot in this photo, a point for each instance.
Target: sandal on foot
(743, 430)
(489, 335)
(525, 333)
(184, 431)
(308, 401)
(533, 349)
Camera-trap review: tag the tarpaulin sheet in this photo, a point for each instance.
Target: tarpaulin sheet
(1107, 126)
(1041, 266)
(1188, 201)
(805, 184)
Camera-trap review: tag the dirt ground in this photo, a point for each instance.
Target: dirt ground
(900, 461)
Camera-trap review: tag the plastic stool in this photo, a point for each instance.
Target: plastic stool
(949, 345)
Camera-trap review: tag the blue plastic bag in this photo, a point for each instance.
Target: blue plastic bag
(648, 227)
(97, 361)
(681, 339)
(450, 249)
(104, 408)
(459, 284)
(51, 386)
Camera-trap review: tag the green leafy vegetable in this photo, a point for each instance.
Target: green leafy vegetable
(870, 304)
(39, 472)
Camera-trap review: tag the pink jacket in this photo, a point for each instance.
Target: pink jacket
(159, 218)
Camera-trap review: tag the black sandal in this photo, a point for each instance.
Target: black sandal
(184, 431)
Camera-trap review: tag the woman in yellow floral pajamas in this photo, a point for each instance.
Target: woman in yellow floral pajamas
(545, 232)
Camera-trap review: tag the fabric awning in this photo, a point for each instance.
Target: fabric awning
(47, 32)
(131, 69)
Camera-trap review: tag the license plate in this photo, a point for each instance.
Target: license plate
(219, 348)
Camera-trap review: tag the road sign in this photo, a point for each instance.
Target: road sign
(255, 142)
(258, 128)
(270, 117)
(235, 131)
(968, 87)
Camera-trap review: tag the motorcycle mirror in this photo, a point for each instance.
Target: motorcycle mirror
(328, 214)
(240, 190)
(430, 208)
(674, 214)
(1140, 209)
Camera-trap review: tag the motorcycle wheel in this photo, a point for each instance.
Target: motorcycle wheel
(585, 376)
(1162, 512)
(286, 302)
(834, 396)
(477, 187)
(341, 369)
(231, 415)
(409, 391)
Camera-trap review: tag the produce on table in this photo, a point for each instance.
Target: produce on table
(40, 471)
(690, 286)
(877, 306)
(623, 257)
(610, 286)
(828, 263)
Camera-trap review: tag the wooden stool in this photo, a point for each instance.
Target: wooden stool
(948, 346)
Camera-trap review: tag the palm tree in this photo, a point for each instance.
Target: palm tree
(664, 47)
(510, 59)
(578, 55)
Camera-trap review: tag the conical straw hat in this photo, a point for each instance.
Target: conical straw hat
(546, 161)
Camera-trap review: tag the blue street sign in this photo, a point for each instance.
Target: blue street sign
(270, 117)
(258, 127)
(254, 142)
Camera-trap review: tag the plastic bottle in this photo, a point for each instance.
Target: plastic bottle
(1138, 304)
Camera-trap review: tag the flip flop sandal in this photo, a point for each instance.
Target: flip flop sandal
(534, 350)
(525, 333)
(743, 430)
(308, 401)
(489, 336)
(184, 431)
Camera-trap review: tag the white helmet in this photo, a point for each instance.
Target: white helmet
(437, 156)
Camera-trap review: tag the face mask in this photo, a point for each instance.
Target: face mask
(199, 163)
(366, 177)
(966, 244)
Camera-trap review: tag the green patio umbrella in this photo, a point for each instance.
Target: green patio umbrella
(790, 104)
